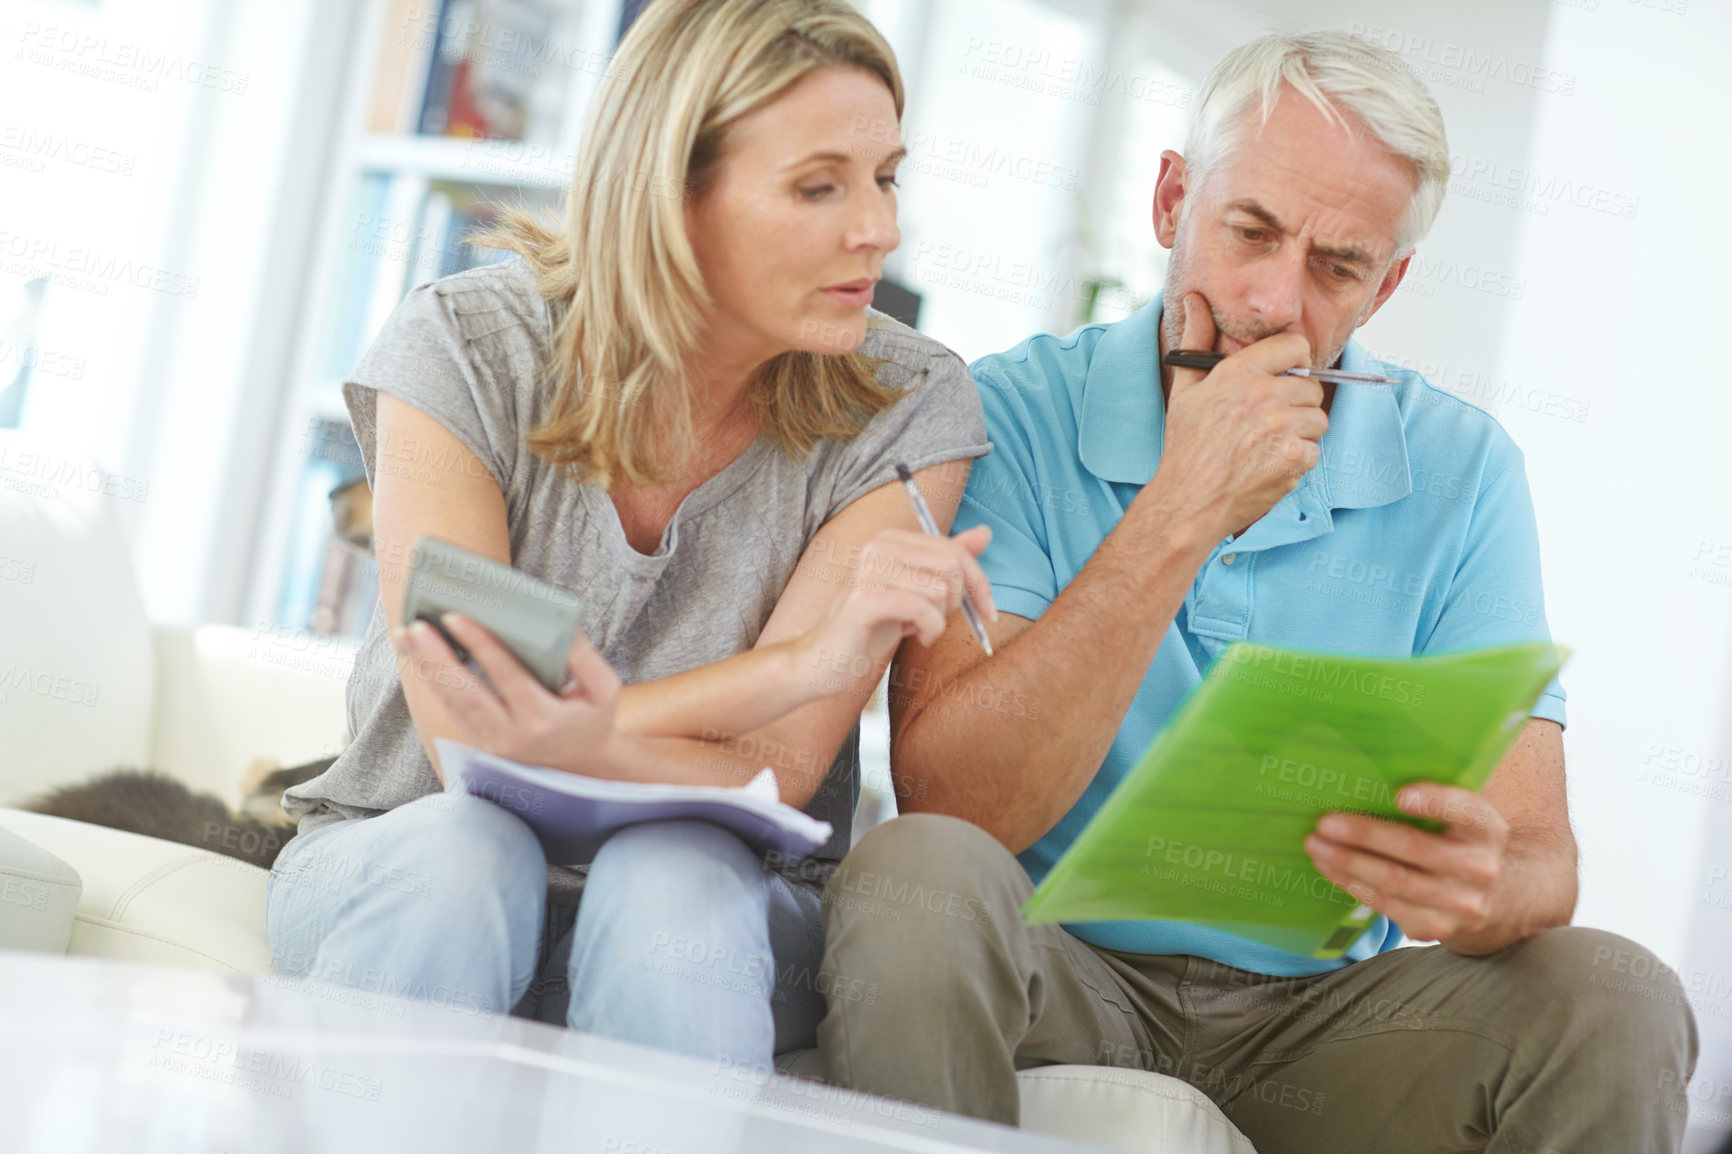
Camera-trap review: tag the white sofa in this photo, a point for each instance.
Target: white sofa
(87, 684)
(94, 686)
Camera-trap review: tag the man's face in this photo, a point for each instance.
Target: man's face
(1296, 232)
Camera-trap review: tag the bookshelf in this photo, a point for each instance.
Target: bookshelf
(450, 108)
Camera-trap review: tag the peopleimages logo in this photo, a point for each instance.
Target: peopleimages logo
(136, 65)
(43, 147)
(1328, 674)
(1046, 73)
(1464, 61)
(1545, 188)
(22, 678)
(1355, 570)
(1467, 276)
(52, 471)
(89, 269)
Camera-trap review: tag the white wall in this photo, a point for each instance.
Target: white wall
(1626, 314)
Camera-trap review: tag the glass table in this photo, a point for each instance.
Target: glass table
(104, 1057)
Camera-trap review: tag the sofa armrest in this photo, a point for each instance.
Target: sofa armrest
(1133, 1111)
(38, 895)
(226, 695)
(148, 900)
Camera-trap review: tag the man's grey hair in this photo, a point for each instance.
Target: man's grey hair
(1336, 72)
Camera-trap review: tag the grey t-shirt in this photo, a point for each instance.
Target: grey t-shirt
(464, 349)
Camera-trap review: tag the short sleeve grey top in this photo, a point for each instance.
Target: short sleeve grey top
(464, 349)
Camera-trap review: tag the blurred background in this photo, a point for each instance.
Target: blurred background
(207, 207)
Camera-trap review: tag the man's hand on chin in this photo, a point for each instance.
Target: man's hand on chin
(1440, 887)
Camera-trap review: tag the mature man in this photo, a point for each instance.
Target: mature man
(1144, 518)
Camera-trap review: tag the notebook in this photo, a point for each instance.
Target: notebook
(573, 815)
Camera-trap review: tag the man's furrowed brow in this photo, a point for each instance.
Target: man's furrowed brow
(1350, 253)
(1252, 208)
(1347, 253)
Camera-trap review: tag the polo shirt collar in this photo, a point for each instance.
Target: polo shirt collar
(1123, 417)
(1364, 462)
(1122, 421)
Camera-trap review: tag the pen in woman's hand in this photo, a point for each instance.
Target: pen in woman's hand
(931, 526)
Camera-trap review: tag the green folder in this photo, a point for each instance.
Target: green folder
(1209, 826)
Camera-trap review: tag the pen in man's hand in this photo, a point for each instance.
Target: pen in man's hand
(1187, 359)
(927, 523)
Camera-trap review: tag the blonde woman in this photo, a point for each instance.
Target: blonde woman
(677, 407)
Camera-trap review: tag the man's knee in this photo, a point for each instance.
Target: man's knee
(924, 877)
(1609, 987)
(934, 846)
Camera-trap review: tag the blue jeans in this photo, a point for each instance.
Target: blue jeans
(682, 939)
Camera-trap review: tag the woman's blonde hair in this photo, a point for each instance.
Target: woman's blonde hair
(621, 265)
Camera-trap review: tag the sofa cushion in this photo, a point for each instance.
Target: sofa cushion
(227, 696)
(38, 896)
(149, 900)
(1129, 1110)
(77, 674)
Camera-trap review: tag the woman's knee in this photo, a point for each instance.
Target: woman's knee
(458, 835)
(440, 859)
(673, 876)
(676, 912)
(677, 848)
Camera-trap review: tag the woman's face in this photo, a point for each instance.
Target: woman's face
(798, 216)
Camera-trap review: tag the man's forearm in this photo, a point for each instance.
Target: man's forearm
(1081, 664)
(1537, 891)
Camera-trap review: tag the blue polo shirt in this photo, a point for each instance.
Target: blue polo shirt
(1414, 533)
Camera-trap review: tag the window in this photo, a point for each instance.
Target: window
(1134, 265)
(1000, 101)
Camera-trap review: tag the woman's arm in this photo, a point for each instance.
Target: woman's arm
(791, 700)
(866, 582)
(868, 579)
(753, 689)
(462, 504)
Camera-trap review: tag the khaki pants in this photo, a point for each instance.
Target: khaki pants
(1573, 1041)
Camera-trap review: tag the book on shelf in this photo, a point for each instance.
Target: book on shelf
(327, 586)
(407, 232)
(450, 214)
(493, 81)
(368, 236)
(400, 71)
(465, 68)
(392, 248)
